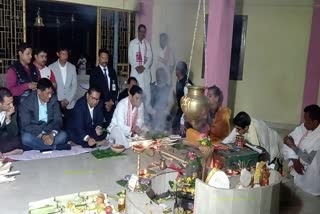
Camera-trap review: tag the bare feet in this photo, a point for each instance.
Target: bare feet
(13, 152)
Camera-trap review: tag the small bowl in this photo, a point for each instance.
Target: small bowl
(117, 148)
(138, 148)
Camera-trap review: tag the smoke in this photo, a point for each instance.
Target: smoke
(161, 102)
(176, 19)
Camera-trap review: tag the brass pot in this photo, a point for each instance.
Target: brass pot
(195, 105)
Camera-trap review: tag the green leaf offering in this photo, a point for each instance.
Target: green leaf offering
(122, 183)
(105, 153)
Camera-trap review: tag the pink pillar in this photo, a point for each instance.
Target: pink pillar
(311, 84)
(219, 43)
(144, 16)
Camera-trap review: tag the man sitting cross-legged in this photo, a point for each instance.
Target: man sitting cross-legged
(9, 140)
(128, 118)
(85, 126)
(40, 119)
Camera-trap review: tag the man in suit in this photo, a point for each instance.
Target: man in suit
(66, 78)
(41, 121)
(85, 127)
(125, 93)
(105, 78)
(9, 140)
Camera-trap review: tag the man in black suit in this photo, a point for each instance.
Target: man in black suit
(125, 93)
(9, 139)
(85, 126)
(105, 78)
(41, 121)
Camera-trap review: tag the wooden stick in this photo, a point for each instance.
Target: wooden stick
(173, 157)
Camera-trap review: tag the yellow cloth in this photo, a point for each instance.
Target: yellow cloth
(219, 128)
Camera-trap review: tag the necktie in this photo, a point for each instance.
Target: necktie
(106, 76)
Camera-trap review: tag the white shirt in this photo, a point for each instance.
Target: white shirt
(91, 111)
(105, 72)
(2, 118)
(120, 116)
(45, 72)
(91, 115)
(63, 70)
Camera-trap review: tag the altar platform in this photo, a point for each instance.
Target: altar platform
(45, 178)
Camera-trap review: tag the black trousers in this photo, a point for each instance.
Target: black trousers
(8, 144)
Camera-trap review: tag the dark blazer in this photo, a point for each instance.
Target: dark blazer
(97, 79)
(81, 123)
(10, 130)
(123, 94)
(29, 115)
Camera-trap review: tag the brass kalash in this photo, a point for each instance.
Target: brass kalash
(195, 105)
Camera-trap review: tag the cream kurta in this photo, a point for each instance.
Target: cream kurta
(120, 132)
(144, 78)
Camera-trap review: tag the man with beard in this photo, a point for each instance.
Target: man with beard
(40, 60)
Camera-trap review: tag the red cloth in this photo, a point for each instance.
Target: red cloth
(178, 169)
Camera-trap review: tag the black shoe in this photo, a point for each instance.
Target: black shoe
(63, 147)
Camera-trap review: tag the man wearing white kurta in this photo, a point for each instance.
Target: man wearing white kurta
(302, 149)
(140, 59)
(255, 132)
(165, 59)
(128, 118)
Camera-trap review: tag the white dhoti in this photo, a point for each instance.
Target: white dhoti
(118, 137)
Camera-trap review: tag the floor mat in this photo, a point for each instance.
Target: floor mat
(36, 154)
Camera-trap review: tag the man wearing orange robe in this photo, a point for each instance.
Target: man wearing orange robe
(217, 125)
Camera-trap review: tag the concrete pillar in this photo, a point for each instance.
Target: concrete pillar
(219, 43)
(311, 85)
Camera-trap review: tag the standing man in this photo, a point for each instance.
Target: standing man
(140, 59)
(165, 58)
(182, 80)
(9, 140)
(22, 76)
(66, 77)
(41, 121)
(40, 61)
(105, 78)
